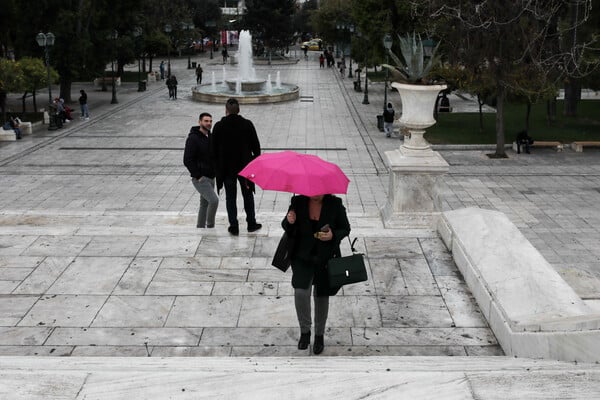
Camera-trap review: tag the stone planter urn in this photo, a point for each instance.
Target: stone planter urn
(418, 102)
(414, 167)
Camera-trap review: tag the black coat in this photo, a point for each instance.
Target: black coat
(234, 144)
(197, 156)
(310, 255)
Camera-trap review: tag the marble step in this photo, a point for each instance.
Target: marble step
(170, 223)
(484, 378)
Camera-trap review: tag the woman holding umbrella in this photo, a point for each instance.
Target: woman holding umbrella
(317, 224)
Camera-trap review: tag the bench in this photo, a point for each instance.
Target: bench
(578, 146)
(533, 312)
(7, 135)
(26, 128)
(107, 80)
(558, 146)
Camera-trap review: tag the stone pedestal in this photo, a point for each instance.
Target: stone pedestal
(414, 168)
(413, 195)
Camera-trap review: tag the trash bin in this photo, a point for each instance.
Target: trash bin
(141, 86)
(193, 64)
(380, 122)
(357, 87)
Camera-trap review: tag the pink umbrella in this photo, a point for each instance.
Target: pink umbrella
(292, 172)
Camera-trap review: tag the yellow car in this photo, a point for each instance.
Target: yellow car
(314, 44)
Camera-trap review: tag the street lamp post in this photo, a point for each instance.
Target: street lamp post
(210, 24)
(137, 33)
(366, 97)
(351, 29)
(387, 43)
(168, 30)
(45, 41)
(114, 37)
(348, 30)
(188, 26)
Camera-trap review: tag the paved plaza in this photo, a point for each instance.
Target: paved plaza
(99, 254)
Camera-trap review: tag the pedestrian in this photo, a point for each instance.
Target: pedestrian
(523, 139)
(170, 87)
(321, 61)
(14, 124)
(388, 120)
(171, 83)
(61, 111)
(199, 74)
(161, 67)
(174, 86)
(317, 224)
(224, 54)
(83, 104)
(198, 160)
(235, 143)
(343, 66)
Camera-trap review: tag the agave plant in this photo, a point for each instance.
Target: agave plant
(414, 68)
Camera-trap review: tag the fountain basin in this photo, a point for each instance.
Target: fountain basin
(248, 85)
(205, 93)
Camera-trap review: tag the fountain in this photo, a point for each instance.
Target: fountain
(245, 86)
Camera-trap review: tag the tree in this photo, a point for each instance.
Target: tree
(509, 39)
(270, 21)
(578, 30)
(325, 19)
(11, 80)
(35, 76)
(302, 18)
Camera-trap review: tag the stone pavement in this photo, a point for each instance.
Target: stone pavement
(99, 254)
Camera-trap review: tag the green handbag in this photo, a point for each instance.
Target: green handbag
(346, 270)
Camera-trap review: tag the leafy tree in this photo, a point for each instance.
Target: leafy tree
(11, 80)
(270, 21)
(326, 18)
(578, 28)
(35, 76)
(509, 39)
(302, 18)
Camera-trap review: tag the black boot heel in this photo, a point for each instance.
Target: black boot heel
(304, 341)
(319, 345)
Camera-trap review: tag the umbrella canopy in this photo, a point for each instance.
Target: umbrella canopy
(292, 172)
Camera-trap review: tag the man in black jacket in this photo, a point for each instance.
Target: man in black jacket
(197, 158)
(235, 144)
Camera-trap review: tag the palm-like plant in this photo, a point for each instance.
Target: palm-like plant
(414, 68)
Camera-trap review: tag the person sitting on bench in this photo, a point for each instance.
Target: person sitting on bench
(523, 139)
(444, 103)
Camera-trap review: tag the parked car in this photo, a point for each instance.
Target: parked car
(313, 44)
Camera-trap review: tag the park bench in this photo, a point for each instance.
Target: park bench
(107, 80)
(531, 309)
(558, 146)
(578, 146)
(7, 135)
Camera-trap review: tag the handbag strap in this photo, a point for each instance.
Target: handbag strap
(352, 243)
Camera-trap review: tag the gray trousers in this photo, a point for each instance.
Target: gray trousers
(209, 201)
(388, 128)
(302, 302)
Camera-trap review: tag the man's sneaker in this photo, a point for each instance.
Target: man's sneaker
(234, 230)
(255, 227)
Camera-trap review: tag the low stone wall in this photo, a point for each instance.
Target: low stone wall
(531, 309)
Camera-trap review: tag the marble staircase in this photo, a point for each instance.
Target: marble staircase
(481, 378)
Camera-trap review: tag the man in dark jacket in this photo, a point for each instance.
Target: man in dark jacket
(197, 158)
(235, 144)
